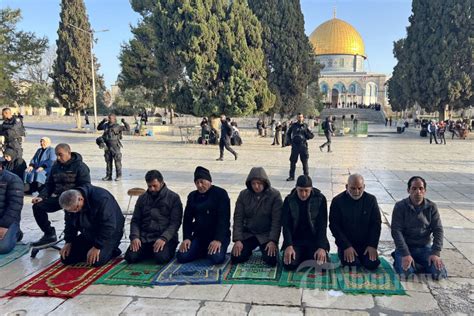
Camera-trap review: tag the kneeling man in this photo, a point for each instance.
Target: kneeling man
(257, 219)
(355, 222)
(155, 222)
(94, 213)
(304, 220)
(414, 220)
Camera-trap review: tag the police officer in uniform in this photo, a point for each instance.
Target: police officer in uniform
(298, 135)
(13, 131)
(111, 142)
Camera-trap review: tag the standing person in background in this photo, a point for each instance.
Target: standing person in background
(224, 142)
(328, 132)
(298, 134)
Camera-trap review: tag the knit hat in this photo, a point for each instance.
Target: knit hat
(304, 182)
(10, 152)
(202, 173)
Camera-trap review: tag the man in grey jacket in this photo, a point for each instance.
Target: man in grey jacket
(257, 219)
(414, 220)
(155, 222)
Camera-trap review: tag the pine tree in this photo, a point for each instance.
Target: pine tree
(72, 76)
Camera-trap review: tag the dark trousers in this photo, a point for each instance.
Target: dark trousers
(420, 256)
(146, 252)
(112, 154)
(41, 210)
(225, 143)
(360, 261)
(433, 135)
(199, 250)
(442, 138)
(302, 253)
(328, 141)
(249, 245)
(302, 152)
(80, 246)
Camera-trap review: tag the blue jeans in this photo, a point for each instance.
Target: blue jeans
(198, 250)
(420, 256)
(9, 240)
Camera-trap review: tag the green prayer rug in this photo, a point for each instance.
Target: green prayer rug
(17, 252)
(137, 274)
(383, 281)
(254, 271)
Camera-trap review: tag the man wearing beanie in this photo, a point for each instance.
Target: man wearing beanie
(155, 222)
(304, 221)
(206, 223)
(257, 219)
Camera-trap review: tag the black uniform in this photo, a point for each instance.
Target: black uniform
(13, 131)
(224, 142)
(111, 137)
(328, 131)
(298, 134)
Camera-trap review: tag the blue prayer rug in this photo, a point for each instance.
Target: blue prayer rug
(17, 252)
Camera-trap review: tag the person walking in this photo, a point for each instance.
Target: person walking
(224, 142)
(328, 132)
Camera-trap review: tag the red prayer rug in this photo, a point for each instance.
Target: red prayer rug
(59, 280)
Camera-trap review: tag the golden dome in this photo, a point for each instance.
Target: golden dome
(337, 37)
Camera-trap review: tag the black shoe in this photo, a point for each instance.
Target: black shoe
(19, 236)
(48, 238)
(235, 156)
(118, 178)
(107, 178)
(290, 179)
(220, 159)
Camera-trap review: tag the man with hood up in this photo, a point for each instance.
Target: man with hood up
(13, 163)
(68, 172)
(94, 226)
(257, 219)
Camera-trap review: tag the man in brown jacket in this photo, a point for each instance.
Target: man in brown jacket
(257, 219)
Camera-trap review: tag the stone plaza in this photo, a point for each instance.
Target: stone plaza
(385, 159)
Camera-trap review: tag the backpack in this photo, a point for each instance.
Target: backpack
(324, 126)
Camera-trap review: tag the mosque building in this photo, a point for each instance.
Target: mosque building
(344, 82)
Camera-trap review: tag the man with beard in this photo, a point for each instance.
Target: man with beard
(298, 135)
(355, 222)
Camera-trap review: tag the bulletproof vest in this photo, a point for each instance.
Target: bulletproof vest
(298, 135)
(112, 133)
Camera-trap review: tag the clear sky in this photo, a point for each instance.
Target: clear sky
(380, 22)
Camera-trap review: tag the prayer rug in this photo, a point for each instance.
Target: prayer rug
(200, 271)
(137, 274)
(61, 280)
(254, 271)
(17, 252)
(383, 281)
(310, 277)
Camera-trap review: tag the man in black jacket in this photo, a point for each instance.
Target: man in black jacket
(206, 223)
(414, 220)
(111, 138)
(304, 221)
(155, 222)
(95, 214)
(298, 135)
(13, 131)
(224, 142)
(11, 204)
(355, 222)
(69, 171)
(328, 132)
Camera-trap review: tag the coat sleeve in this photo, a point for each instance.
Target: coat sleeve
(135, 223)
(276, 218)
(223, 217)
(107, 222)
(70, 229)
(34, 161)
(375, 224)
(14, 202)
(83, 175)
(397, 229)
(322, 224)
(175, 220)
(48, 161)
(188, 218)
(239, 214)
(48, 187)
(287, 224)
(125, 127)
(309, 133)
(101, 125)
(437, 230)
(335, 219)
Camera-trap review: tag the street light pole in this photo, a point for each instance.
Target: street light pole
(91, 37)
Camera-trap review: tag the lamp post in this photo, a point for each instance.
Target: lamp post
(91, 36)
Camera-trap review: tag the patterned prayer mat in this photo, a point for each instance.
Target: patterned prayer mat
(17, 252)
(63, 281)
(201, 271)
(383, 281)
(137, 274)
(254, 271)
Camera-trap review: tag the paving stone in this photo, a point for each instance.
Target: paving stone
(264, 294)
(454, 295)
(324, 299)
(459, 234)
(467, 249)
(459, 267)
(215, 292)
(275, 311)
(92, 305)
(27, 305)
(150, 306)
(415, 302)
(222, 308)
(333, 312)
(155, 292)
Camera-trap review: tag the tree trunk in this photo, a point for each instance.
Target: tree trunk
(171, 111)
(77, 114)
(442, 112)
